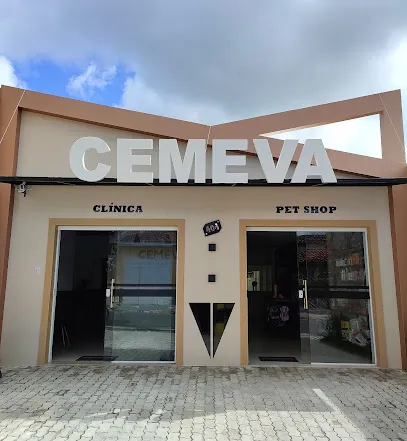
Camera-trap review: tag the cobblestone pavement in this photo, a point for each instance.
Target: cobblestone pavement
(119, 402)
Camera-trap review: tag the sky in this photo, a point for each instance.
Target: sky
(210, 61)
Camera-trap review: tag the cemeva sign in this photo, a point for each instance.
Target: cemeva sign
(313, 162)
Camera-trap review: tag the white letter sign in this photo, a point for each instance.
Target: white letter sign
(275, 173)
(313, 162)
(313, 148)
(169, 154)
(220, 161)
(126, 160)
(77, 159)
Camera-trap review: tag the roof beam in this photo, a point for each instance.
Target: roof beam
(387, 105)
(112, 117)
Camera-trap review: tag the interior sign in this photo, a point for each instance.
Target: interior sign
(117, 208)
(212, 228)
(134, 163)
(307, 209)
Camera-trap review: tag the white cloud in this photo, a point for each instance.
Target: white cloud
(138, 96)
(217, 61)
(362, 135)
(8, 76)
(91, 79)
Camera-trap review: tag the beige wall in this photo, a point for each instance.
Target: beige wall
(45, 143)
(44, 150)
(197, 206)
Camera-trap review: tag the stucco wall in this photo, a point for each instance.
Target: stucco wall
(196, 206)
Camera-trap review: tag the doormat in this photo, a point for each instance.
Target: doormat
(97, 358)
(278, 359)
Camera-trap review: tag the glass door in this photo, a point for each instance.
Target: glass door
(334, 297)
(141, 296)
(302, 255)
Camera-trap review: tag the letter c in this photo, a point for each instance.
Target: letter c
(96, 208)
(77, 159)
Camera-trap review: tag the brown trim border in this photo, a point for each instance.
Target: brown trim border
(47, 302)
(10, 122)
(398, 220)
(374, 270)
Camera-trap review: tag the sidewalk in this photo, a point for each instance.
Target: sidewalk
(118, 402)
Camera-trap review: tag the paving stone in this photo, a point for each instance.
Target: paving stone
(119, 403)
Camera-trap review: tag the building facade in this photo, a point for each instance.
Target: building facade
(128, 273)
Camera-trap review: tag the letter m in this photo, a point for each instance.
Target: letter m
(170, 156)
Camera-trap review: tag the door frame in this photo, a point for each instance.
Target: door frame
(51, 269)
(372, 253)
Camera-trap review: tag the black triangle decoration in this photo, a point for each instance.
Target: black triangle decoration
(221, 315)
(202, 314)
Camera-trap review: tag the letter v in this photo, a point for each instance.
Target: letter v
(275, 173)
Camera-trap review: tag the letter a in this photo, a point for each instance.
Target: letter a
(313, 148)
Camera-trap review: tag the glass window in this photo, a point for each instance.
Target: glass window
(141, 315)
(334, 265)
